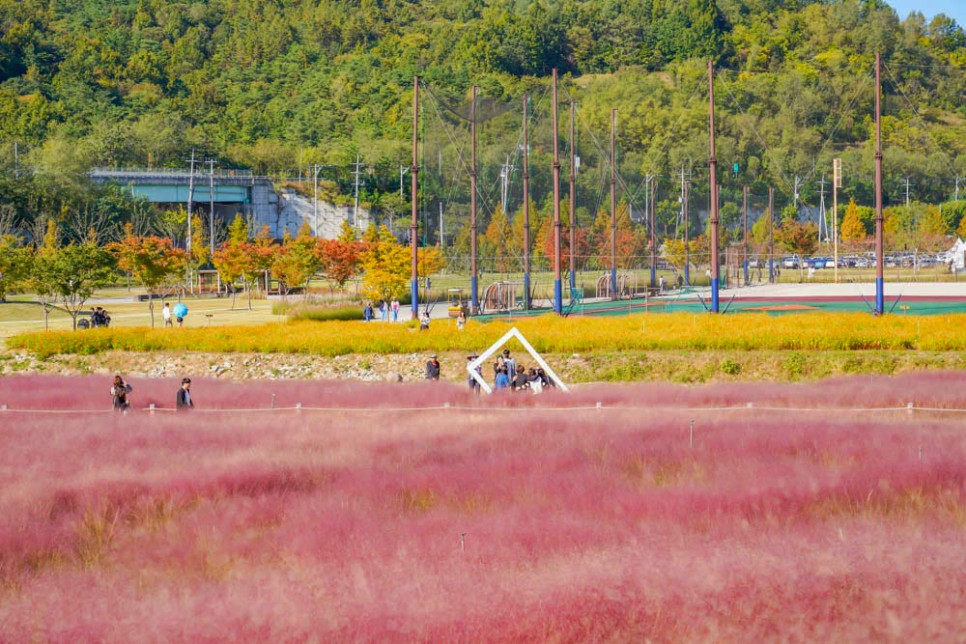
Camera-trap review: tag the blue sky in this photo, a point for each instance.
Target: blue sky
(955, 9)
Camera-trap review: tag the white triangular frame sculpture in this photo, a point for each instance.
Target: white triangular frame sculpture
(496, 346)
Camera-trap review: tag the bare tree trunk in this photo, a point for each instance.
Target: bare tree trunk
(151, 307)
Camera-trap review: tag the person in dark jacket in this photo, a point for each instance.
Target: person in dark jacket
(520, 381)
(432, 368)
(119, 392)
(184, 395)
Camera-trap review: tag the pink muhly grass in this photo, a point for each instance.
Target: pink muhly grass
(507, 520)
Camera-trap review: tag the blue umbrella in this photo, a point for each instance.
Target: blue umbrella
(180, 310)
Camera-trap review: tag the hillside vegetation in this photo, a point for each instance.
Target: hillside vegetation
(280, 85)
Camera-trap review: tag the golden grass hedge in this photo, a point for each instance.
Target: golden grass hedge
(548, 334)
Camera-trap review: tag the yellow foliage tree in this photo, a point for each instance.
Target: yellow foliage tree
(386, 265)
(852, 231)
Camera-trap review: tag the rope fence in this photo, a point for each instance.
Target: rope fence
(909, 408)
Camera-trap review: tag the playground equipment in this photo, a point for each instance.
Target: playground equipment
(456, 303)
(503, 296)
(625, 284)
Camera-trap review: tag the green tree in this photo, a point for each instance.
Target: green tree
(495, 245)
(76, 271)
(43, 276)
(296, 261)
(15, 264)
(152, 261)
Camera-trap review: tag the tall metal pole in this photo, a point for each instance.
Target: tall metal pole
(557, 287)
(744, 243)
(414, 222)
(474, 271)
(211, 205)
(836, 184)
(653, 231)
(771, 235)
(613, 204)
(687, 232)
(356, 211)
(879, 249)
(191, 195)
(315, 196)
(713, 167)
(526, 206)
(573, 198)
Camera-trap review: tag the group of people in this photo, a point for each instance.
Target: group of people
(166, 316)
(120, 392)
(386, 309)
(508, 375)
(99, 317)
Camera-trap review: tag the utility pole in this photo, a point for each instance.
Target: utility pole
(879, 245)
(685, 219)
(713, 171)
(356, 172)
(771, 235)
(797, 184)
(16, 164)
(573, 198)
(414, 222)
(557, 286)
(506, 174)
(744, 243)
(907, 192)
(526, 203)
(211, 205)
(315, 197)
(822, 220)
(652, 211)
(474, 271)
(191, 194)
(442, 240)
(613, 204)
(402, 171)
(836, 184)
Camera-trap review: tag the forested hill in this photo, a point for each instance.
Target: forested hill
(276, 85)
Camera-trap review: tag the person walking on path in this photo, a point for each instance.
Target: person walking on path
(119, 392)
(395, 309)
(432, 368)
(166, 315)
(367, 312)
(461, 320)
(184, 400)
(424, 323)
(383, 309)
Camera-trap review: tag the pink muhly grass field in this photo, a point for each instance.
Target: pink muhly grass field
(497, 518)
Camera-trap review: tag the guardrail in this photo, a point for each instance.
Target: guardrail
(220, 173)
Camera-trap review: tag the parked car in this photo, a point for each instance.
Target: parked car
(791, 261)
